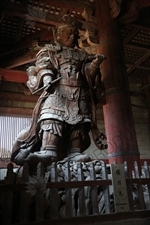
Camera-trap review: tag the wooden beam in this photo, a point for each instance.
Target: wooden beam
(65, 6)
(42, 35)
(21, 112)
(17, 10)
(13, 75)
(139, 67)
(144, 49)
(130, 36)
(144, 3)
(27, 58)
(18, 97)
(138, 62)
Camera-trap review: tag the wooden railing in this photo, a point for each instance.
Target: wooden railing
(45, 197)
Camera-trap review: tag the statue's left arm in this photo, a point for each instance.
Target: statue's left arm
(93, 77)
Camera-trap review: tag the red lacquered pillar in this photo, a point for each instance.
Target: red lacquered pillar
(118, 118)
(146, 91)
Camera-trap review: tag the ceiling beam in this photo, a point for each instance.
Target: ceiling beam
(144, 49)
(21, 112)
(138, 62)
(71, 6)
(144, 3)
(17, 10)
(139, 67)
(18, 97)
(42, 35)
(13, 75)
(130, 35)
(22, 60)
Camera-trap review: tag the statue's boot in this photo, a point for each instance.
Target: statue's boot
(46, 157)
(75, 154)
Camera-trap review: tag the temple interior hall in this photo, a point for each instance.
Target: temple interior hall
(26, 27)
(118, 29)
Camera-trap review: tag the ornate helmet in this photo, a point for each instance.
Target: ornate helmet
(68, 21)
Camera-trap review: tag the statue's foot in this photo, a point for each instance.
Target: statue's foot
(78, 157)
(46, 157)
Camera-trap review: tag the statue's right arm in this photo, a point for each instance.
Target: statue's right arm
(43, 72)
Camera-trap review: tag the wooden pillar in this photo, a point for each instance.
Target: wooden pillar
(118, 118)
(146, 91)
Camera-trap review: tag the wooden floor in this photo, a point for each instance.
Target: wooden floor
(126, 218)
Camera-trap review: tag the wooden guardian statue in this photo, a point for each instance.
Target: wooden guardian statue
(65, 112)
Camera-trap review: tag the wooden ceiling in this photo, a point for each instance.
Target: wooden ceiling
(25, 26)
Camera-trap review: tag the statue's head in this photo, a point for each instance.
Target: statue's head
(67, 33)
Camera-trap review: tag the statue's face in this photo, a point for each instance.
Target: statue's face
(66, 35)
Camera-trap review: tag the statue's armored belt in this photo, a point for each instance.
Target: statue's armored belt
(70, 82)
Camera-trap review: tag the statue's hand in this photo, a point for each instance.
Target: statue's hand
(99, 58)
(47, 80)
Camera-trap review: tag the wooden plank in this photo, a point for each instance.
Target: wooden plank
(94, 194)
(147, 173)
(17, 76)
(73, 184)
(42, 35)
(77, 6)
(40, 194)
(66, 184)
(138, 62)
(139, 187)
(140, 26)
(139, 67)
(137, 181)
(139, 48)
(129, 186)
(143, 3)
(18, 97)
(20, 112)
(16, 10)
(54, 197)
(81, 195)
(27, 58)
(68, 192)
(129, 217)
(130, 36)
(8, 201)
(24, 199)
(105, 188)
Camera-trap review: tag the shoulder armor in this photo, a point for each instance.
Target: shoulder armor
(52, 48)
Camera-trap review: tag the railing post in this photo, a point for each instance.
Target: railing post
(68, 192)
(54, 197)
(40, 195)
(129, 187)
(147, 174)
(94, 195)
(8, 197)
(139, 187)
(81, 200)
(105, 188)
(24, 200)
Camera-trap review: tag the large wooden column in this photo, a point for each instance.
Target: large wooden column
(118, 118)
(146, 91)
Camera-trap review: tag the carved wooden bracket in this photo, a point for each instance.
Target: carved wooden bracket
(115, 6)
(89, 40)
(127, 11)
(35, 46)
(131, 12)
